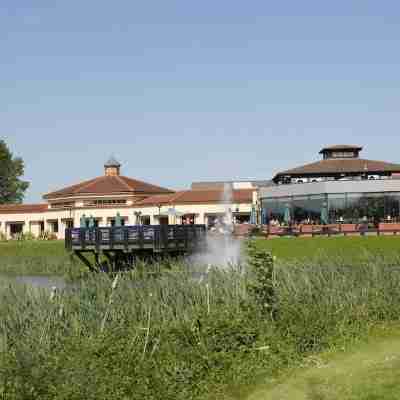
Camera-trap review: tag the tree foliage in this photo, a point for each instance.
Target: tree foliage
(12, 188)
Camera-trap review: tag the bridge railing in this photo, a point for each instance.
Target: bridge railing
(157, 237)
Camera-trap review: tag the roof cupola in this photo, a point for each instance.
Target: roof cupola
(340, 151)
(112, 167)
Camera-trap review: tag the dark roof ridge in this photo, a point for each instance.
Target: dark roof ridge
(339, 165)
(340, 147)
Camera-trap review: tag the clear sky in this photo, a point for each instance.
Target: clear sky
(188, 90)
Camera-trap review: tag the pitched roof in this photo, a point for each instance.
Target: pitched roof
(197, 197)
(108, 185)
(334, 166)
(23, 208)
(340, 147)
(219, 185)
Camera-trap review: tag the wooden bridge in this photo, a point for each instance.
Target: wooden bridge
(121, 246)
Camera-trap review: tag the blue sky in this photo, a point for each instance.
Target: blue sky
(181, 91)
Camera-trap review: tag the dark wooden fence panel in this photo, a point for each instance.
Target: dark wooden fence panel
(157, 237)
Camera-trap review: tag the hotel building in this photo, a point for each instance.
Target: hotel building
(103, 198)
(342, 186)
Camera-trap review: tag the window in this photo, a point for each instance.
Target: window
(16, 229)
(337, 207)
(105, 202)
(66, 204)
(69, 224)
(188, 219)
(392, 207)
(145, 219)
(343, 154)
(275, 209)
(54, 227)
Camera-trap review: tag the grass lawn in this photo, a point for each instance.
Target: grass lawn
(32, 248)
(34, 258)
(355, 247)
(369, 371)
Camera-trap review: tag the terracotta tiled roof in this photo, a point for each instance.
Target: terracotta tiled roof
(335, 166)
(197, 197)
(341, 147)
(105, 185)
(23, 208)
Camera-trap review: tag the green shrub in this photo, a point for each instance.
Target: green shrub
(261, 277)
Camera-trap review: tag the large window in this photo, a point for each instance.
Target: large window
(337, 207)
(301, 209)
(392, 207)
(274, 209)
(342, 208)
(354, 208)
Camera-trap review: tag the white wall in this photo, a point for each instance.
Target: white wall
(31, 221)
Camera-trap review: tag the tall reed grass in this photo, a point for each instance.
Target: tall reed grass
(184, 334)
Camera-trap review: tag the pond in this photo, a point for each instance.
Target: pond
(38, 281)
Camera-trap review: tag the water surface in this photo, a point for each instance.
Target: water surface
(38, 281)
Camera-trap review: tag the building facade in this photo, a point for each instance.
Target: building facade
(103, 198)
(341, 188)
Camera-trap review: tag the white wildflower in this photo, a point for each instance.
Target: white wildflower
(115, 282)
(53, 293)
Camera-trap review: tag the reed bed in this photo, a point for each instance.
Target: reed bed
(181, 333)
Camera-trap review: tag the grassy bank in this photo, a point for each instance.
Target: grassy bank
(348, 248)
(50, 257)
(168, 336)
(369, 370)
(34, 258)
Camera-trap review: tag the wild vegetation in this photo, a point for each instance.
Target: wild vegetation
(181, 333)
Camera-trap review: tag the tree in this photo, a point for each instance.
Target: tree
(12, 188)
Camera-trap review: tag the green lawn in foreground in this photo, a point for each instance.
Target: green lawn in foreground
(32, 248)
(371, 371)
(34, 258)
(350, 247)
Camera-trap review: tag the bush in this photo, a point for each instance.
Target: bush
(46, 235)
(261, 278)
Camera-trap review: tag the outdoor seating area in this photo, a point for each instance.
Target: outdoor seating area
(305, 230)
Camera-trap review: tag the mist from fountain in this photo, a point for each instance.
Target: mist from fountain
(223, 249)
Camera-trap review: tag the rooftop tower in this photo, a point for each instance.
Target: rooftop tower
(112, 167)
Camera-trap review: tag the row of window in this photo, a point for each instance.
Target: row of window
(66, 204)
(340, 154)
(349, 207)
(91, 203)
(105, 202)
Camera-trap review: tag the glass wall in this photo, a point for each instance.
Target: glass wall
(307, 209)
(274, 209)
(341, 208)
